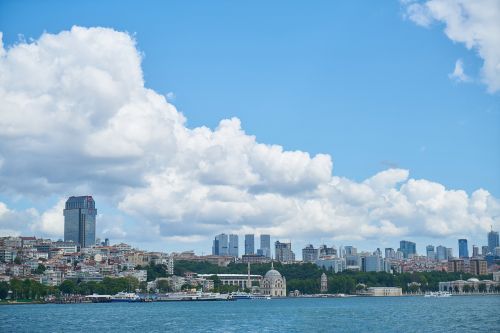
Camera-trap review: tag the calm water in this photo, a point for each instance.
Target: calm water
(398, 314)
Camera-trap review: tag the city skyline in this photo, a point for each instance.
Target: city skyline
(293, 133)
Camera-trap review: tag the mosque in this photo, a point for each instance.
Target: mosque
(273, 284)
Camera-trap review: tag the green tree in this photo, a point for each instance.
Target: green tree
(68, 287)
(4, 290)
(163, 286)
(40, 269)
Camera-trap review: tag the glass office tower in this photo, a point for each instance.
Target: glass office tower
(79, 220)
(463, 249)
(249, 244)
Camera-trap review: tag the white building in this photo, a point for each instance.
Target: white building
(273, 284)
(240, 280)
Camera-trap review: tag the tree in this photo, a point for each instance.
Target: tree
(68, 287)
(163, 286)
(17, 260)
(40, 269)
(4, 290)
(16, 288)
(482, 287)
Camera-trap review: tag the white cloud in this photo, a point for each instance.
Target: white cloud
(76, 118)
(458, 73)
(476, 24)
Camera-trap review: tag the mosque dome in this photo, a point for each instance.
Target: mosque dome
(273, 274)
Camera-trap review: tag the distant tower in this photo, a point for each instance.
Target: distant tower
(79, 220)
(249, 282)
(493, 240)
(324, 283)
(463, 250)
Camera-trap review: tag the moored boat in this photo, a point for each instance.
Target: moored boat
(438, 294)
(125, 297)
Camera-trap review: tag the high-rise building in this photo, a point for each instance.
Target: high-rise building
(441, 253)
(350, 250)
(220, 246)
(249, 244)
(463, 249)
(310, 254)
(431, 255)
(449, 253)
(475, 251)
(80, 220)
(492, 241)
(389, 253)
(408, 248)
(233, 246)
(283, 252)
(327, 251)
(372, 263)
(265, 246)
(484, 250)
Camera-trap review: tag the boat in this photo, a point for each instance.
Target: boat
(240, 295)
(194, 296)
(438, 294)
(125, 297)
(259, 296)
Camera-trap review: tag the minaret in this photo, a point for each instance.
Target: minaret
(249, 282)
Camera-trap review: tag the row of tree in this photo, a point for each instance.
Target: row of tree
(33, 290)
(306, 277)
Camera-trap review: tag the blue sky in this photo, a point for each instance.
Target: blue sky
(353, 79)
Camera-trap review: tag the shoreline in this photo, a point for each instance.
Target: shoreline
(322, 296)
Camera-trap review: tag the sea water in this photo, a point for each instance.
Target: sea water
(356, 314)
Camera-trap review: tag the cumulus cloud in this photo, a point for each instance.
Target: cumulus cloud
(77, 118)
(476, 24)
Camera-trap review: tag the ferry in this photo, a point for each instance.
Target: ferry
(194, 296)
(240, 295)
(260, 296)
(125, 297)
(438, 294)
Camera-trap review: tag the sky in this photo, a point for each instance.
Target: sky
(346, 122)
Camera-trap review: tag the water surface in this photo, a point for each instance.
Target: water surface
(357, 314)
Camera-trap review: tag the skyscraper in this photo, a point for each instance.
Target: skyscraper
(431, 255)
(449, 253)
(441, 253)
(389, 253)
(79, 220)
(350, 250)
(310, 254)
(283, 252)
(220, 245)
(463, 250)
(408, 248)
(265, 246)
(249, 244)
(233, 246)
(492, 240)
(475, 251)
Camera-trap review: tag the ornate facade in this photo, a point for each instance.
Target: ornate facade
(273, 284)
